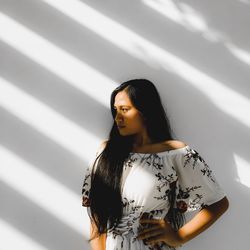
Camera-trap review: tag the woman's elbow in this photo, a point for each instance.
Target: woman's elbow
(220, 207)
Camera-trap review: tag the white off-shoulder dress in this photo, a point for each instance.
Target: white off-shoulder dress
(146, 181)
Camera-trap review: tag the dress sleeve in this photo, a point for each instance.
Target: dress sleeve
(87, 175)
(196, 185)
(86, 188)
(87, 183)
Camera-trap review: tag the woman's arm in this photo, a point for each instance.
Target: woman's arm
(98, 243)
(201, 221)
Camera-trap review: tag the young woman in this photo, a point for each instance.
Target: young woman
(143, 181)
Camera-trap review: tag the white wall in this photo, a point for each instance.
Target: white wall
(58, 66)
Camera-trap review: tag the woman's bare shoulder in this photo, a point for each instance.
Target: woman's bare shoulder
(173, 144)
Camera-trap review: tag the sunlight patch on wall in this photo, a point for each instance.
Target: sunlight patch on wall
(11, 238)
(244, 1)
(189, 18)
(185, 16)
(166, 8)
(241, 54)
(47, 121)
(243, 169)
(105, 27)
(40, 188)
(56, 60)
(225, 99)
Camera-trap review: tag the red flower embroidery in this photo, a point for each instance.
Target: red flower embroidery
(182, 206)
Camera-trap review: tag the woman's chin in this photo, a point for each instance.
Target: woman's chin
(123, 133)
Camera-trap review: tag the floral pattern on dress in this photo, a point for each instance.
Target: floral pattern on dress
(126, 224)
(164, 182)
(129, 163)
(190, 196)
(185, 194)
(158, 174)
(193, 156)
(86, 188)
(156, 162)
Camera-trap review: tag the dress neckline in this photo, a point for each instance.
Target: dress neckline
(162, 152)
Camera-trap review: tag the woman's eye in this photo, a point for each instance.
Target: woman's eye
(123, 109)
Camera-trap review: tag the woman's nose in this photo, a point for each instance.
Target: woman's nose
(118, 117)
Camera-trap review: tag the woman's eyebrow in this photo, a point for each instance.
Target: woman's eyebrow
(122, 106)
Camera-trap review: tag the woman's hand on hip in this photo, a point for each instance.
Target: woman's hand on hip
(159, 230)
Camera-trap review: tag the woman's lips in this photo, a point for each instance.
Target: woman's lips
(121, 127)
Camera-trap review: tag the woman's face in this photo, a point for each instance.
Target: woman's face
(127, 115)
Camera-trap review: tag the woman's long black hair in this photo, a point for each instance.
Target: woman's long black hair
(105, 202)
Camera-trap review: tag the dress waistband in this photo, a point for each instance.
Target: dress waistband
(128, 224)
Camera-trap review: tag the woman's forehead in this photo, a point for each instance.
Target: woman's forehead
(122, 99)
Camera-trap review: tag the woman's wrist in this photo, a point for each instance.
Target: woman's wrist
(179, 239)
